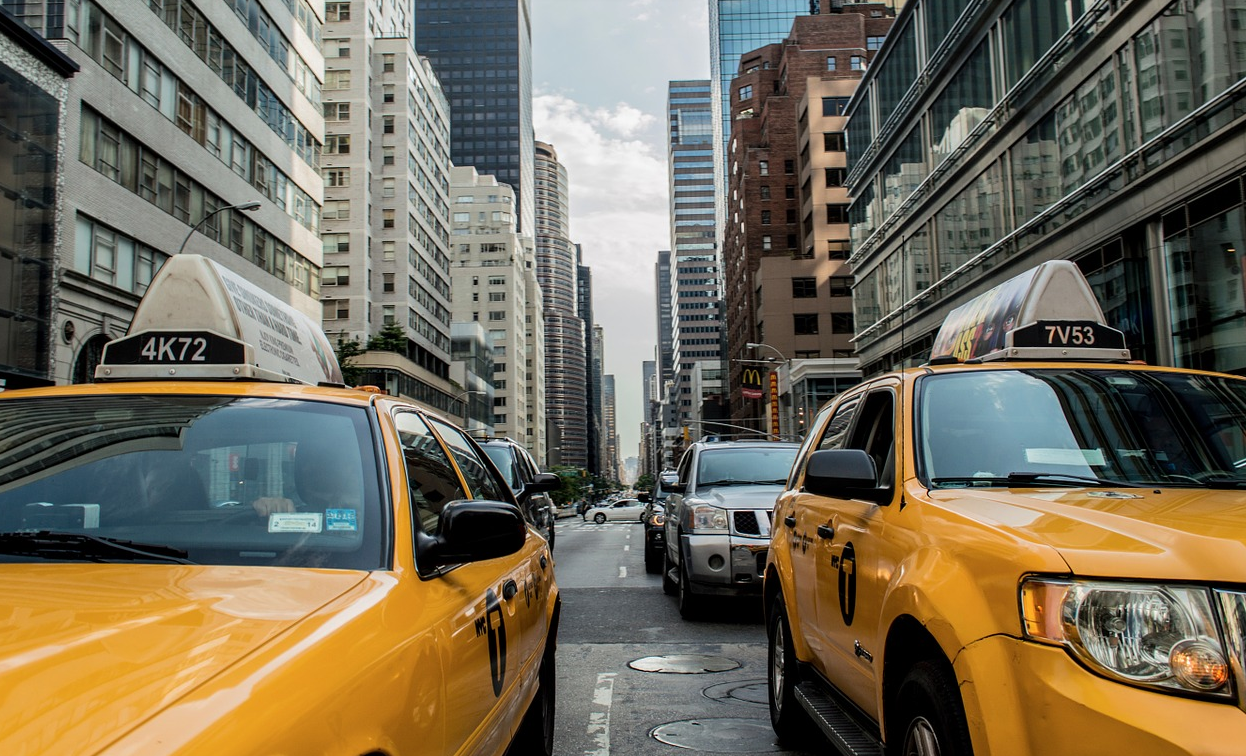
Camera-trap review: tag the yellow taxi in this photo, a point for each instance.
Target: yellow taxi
(219, 549)
(1031, 545)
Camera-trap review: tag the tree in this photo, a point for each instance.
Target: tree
(352, 374)
(392, 338)
(644, 483)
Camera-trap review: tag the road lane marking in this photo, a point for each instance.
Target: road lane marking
(622, 571)
(627, 548)
(599, 719)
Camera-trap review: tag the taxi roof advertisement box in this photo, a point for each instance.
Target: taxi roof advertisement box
(193, 295)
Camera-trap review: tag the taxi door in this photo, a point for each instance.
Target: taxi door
(848, 534)
(517, 601)
(477, 636)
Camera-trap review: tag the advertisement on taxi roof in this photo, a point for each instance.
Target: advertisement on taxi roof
(978, 326)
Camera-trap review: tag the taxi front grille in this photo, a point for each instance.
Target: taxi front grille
(751, 522)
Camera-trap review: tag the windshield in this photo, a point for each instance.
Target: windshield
(504, 459)
(1103, 426)
(213, 480)
(744, 466)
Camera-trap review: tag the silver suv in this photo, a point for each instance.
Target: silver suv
(718, 519)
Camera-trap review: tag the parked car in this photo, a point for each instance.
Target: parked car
(217, 547)
(1030, 545)
(527, 482)
(623, 509)
(718, 519)
(654, 518)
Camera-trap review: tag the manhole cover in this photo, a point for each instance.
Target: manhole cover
(684, 664)
(741, 691)
(718, 735)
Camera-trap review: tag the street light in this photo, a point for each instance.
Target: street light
(465, 393)
(756, 345)
(245, 206)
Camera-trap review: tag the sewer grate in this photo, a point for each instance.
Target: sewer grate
(727, 735)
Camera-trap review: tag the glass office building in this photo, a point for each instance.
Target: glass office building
(990, 137)
(482, 52)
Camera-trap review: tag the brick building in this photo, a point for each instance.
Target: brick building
(785, 244)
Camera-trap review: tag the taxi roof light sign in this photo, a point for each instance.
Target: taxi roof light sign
(1046, 313)
(199, 320)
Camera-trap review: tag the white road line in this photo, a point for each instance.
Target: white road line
(627, 548)
(622, 571)
(629, 536)
(599, 718)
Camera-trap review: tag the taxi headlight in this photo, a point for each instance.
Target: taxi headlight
(1154, 635)
(702, 518)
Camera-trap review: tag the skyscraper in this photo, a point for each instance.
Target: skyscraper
(566, 374)
(482, 52)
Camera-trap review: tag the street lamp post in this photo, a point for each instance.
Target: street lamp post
(245, 206)
(463, 394)
(791, 421)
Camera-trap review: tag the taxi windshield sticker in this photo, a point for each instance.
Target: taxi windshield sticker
(341, 519)
(295, 522)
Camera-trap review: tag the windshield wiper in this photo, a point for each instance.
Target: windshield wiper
(49, 544)
(1026, 478)
(713, 483)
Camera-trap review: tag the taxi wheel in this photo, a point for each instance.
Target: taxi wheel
(931, 716)
(599, 518)
(789, 720)
(536, 732)
(653, 564)
(668, 586)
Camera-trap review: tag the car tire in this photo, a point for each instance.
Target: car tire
(690, 604)
(789, 720)
(599, 518)
(930, 716)
(669, 587)
(536, 732)
(653, 562)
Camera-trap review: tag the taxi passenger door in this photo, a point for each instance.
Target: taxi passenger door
(465, 605)
(848, 536)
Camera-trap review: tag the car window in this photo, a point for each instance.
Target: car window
(479, 476)
(504, 458)
(748, 464)
(431, 479)
(227, 480)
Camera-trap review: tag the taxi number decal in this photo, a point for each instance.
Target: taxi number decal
(174, 348)
(496, 638)
(848, 583)
(1068, 334)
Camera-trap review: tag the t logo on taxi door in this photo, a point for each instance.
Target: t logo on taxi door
(848, 583)
(497, 640)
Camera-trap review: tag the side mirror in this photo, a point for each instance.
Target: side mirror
(668, 479)
(540, 482)
(644, 497)
(471, 530)
(844, 474)
(675, 487)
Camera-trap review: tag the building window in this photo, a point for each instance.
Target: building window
(874, 43)
(496, 315)
(337, 177)
(805, 323)
(387, 93)
(763, 167)
(335, 210)
(833, 141)
(789, 167)
(836, 213)
(746, 92)
(335, 243)
(835, 176)
(335, 275)
(337, 144)
(791, 241)
(387, 187)
(497, 296)
(387, 282)
(387, 314)
(766, 242)
(337, 11)
(337, 79)
(791, 215)
(841, 286)
(337, 111)
(834, 106)
(789, 191)
(387, 218)
(387, 155)
(336, 309)
(387, 251)
(387, 124)
(804, 288)
(830, 62)
(765, 217)
(857, 63)
(841, 322)
(387, 63)
(838, 249)
(763, 191)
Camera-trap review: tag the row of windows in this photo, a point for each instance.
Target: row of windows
(131, 164)
(806, 324)
(806, 287)
(109, 256)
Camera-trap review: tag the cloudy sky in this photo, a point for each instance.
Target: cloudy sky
(600, 71)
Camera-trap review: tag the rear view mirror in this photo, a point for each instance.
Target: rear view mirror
(843, 474)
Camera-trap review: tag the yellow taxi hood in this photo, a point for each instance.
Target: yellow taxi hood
(1171, 534)
(88, 652)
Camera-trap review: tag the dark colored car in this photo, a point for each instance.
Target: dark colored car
(527, 482)
(654, 519)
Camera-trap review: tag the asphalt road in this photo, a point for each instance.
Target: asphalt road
(706, 692)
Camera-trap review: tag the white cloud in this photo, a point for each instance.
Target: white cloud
(618, 199)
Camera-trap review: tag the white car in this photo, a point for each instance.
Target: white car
(623, 509)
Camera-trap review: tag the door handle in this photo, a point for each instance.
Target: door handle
(789, 521)
(825, 531)
(509, 589)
